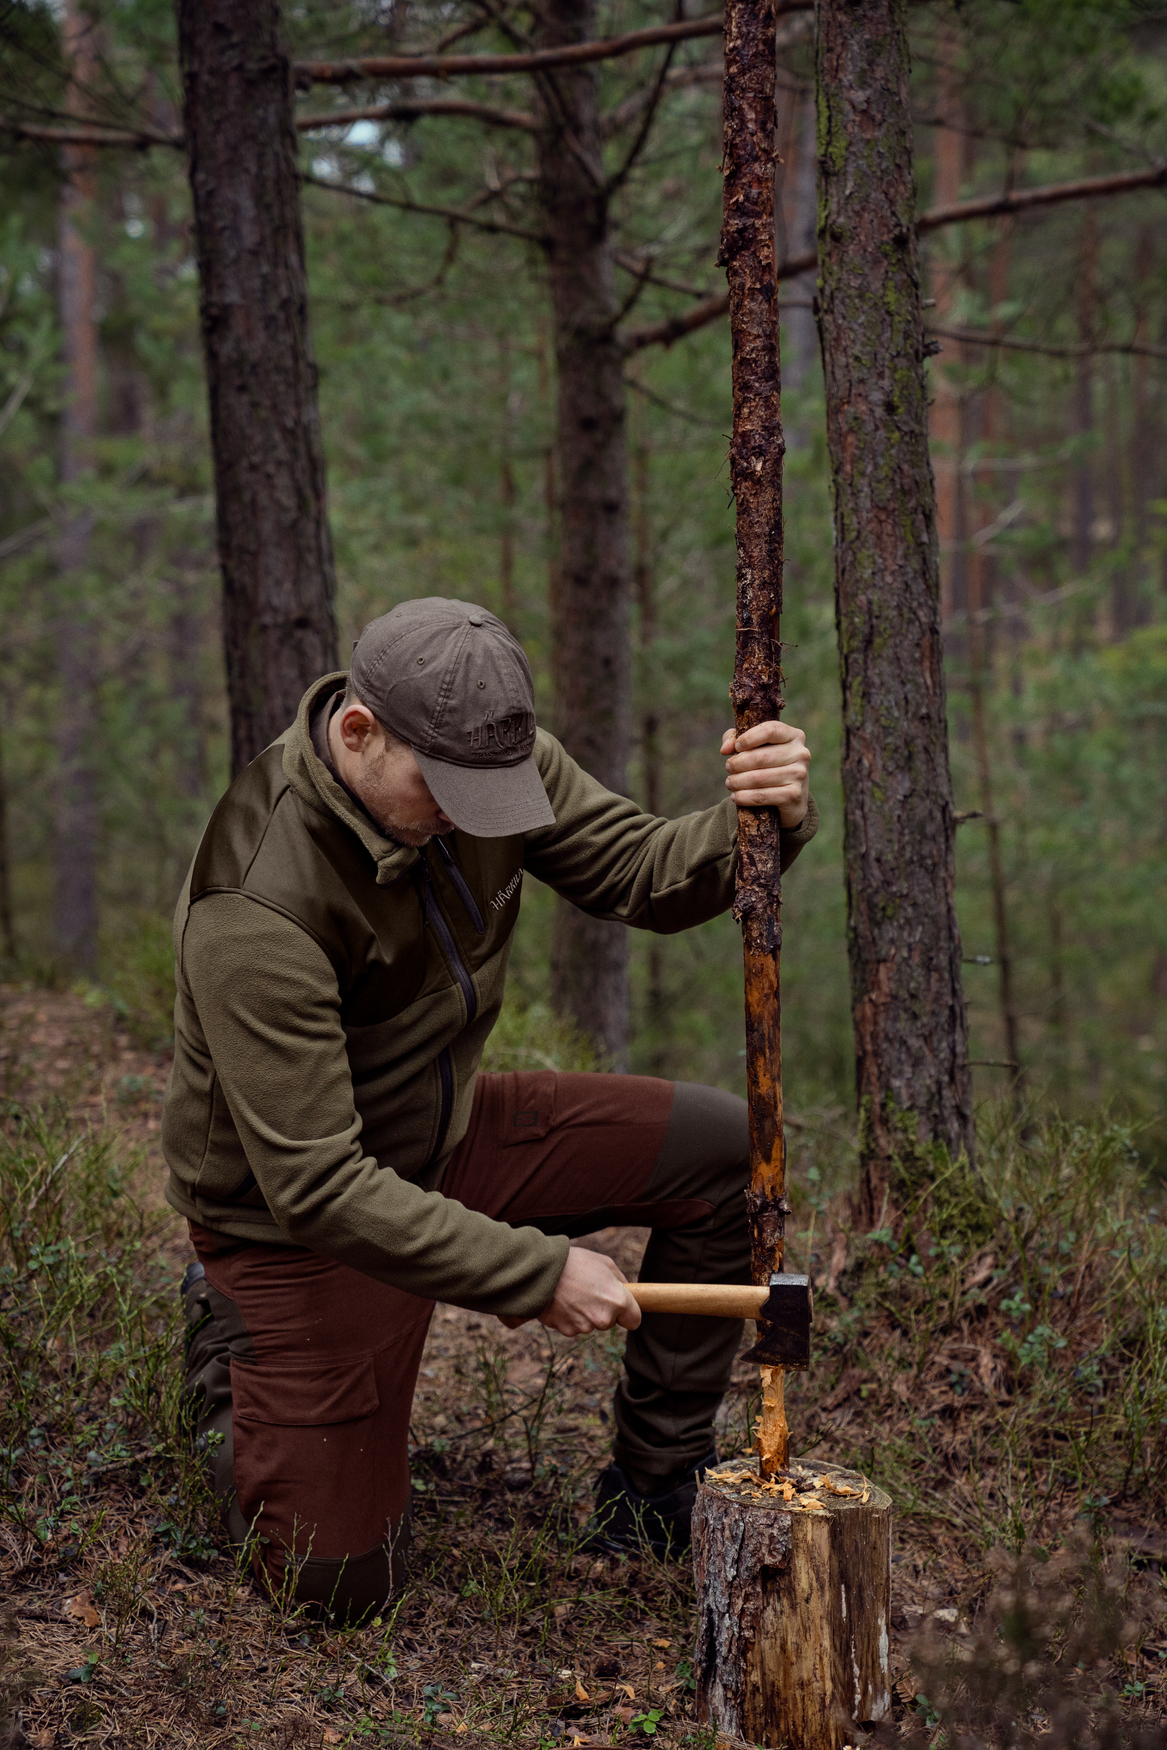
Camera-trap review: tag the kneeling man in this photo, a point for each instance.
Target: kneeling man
(341, 947)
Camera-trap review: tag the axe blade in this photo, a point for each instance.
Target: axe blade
(784, 1324)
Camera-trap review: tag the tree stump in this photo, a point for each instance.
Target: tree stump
(793, 1602)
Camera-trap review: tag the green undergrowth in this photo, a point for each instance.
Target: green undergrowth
(1008, 1339)
(996, 1357)
(88, 1331)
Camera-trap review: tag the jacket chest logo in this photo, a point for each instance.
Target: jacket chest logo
(504, 893)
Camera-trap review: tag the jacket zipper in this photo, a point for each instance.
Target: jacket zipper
(431, 913)
(460, 887)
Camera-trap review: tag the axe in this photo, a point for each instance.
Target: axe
(783, 1311)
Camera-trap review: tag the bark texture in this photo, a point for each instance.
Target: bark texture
(911, 1029)
(755, 457)
(756, 450)
(793, 1608)
(76, 821)
(591, 610)
(274, 544)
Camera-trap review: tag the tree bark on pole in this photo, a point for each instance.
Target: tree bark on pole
(911, 1029)
(756, 451)
(76, 815)
(274, 544)
(792, 1563)
(591, 612)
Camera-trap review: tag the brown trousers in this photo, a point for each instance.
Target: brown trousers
(303, 1378)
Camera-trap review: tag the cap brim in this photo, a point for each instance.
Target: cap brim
(488, 802)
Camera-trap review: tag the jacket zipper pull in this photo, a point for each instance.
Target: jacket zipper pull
(425, 891)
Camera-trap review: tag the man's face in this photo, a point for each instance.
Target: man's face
(383, 772)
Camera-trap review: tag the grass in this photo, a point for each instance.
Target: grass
(998, 1361)
(1007, 1344)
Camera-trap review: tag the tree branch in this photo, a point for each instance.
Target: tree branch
(980, 337)
(639, 267)
(88, 136)
(656, 92)
(957, 213)
(405, 109)
(710, 310)
(454, 215)
(1050, 194)
(631, 106)
(309, 73)
(394, 300)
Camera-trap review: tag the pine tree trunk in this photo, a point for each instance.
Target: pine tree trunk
(76, 821)
(591, 615)
(911, 1030)
(279, 633)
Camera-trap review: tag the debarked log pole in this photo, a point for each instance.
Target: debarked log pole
(793, 1596)
(756, 450)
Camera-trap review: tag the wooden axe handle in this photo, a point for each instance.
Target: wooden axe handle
(715, 1299)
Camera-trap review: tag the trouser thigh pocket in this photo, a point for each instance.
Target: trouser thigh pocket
(306, 1455)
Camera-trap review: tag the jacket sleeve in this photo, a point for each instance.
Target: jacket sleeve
(611, 859)
(268, 1009)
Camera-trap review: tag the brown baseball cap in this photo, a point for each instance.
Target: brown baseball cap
(448, 678)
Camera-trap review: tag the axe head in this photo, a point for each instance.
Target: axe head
(784, 1324)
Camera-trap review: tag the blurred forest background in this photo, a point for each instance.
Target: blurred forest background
(432, 337)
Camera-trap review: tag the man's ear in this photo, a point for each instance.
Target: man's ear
(358, 726)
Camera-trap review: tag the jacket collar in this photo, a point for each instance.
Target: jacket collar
(314, 784)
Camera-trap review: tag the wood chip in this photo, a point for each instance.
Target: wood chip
(834, 1488)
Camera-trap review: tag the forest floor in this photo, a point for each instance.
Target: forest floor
(980, 1380)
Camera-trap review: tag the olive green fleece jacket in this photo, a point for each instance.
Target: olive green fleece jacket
(335, 990)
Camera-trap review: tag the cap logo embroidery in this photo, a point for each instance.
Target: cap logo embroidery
(505, 733)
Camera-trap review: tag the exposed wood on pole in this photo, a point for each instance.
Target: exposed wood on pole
(911, 1030)
(747, 254)
(274, 545)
